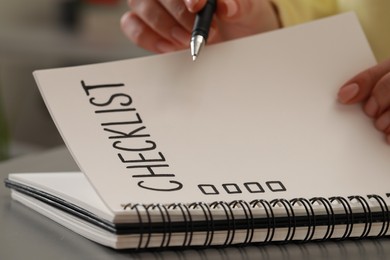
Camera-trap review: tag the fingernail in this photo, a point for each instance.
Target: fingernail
(131, 27)
(371, 108)
(383, 122)
(348, 92)
(231, 7)
(163, 47)
(180, 35)
(191, 4)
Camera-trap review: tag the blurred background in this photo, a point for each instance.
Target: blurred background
(44, 34)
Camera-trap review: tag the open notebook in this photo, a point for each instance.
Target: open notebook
(247, 144)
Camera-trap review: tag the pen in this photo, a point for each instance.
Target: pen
(201, 28)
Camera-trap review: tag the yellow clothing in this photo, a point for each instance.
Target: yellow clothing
(374, 15)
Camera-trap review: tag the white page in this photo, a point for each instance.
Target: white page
(253, 111)
(72, 187)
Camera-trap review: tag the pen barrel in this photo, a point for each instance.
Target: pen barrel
(203, 19)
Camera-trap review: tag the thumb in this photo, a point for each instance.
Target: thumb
(228, 9)
(251, 11)
(360, 87)
(238, 18)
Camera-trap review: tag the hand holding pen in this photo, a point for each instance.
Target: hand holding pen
(164, 25)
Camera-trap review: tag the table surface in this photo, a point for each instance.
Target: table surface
(25, 234)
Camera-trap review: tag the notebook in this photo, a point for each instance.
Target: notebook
(246, 145)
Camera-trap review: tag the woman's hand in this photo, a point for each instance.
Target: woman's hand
(166, 25)
(372, 87)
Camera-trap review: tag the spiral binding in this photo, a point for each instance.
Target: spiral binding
(259, 215)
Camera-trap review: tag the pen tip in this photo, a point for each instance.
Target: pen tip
(194, 57)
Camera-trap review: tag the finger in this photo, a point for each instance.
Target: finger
(382, 123)
(359, 87)
(153, 14)
(238, 18)
(179, 11)
(194, 6)
(138, 32)
(380, 96)
(214, 33)
(229, 9)
(243, 10)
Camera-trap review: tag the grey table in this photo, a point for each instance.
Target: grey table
(25, 234)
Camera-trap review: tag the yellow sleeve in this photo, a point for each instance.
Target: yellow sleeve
(298, 11)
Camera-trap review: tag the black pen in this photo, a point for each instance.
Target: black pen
(201, 28)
